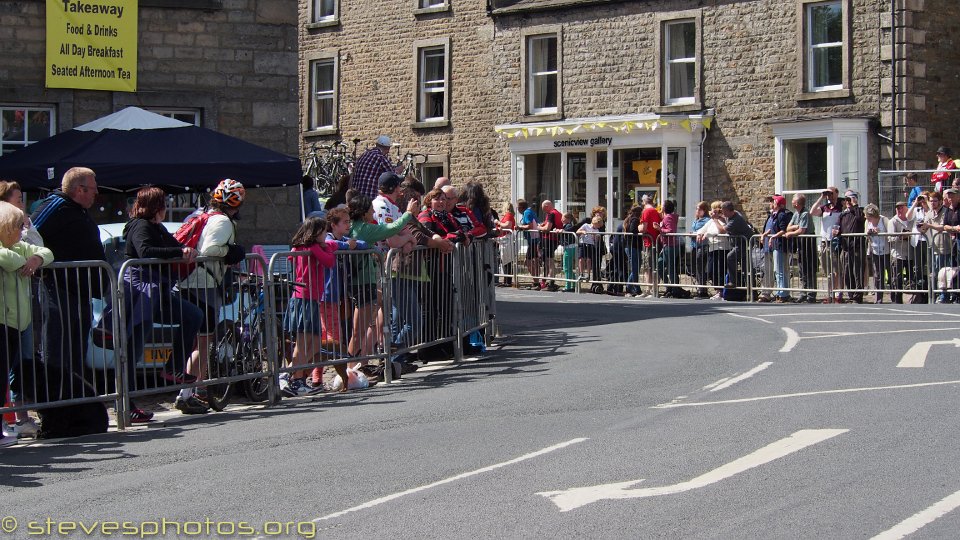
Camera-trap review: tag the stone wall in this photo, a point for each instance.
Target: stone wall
(235, 60)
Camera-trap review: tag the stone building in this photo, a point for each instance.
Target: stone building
(598, 101)
(227, 65)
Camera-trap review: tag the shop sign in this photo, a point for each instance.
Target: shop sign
(591, 142)
(92, 45)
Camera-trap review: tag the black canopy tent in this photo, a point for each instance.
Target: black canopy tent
(133, 147)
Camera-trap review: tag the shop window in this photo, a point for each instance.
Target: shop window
(825, 52)
(190, 116)
(541, 179)
(433, 83)
(576, 202)
(323, 94)
(25, 125)
(543, 74)
(680, 62)
(325, 11)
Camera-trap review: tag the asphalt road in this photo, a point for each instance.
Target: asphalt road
(591, 417)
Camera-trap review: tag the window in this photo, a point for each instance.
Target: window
(805, 164)
(190, 116)
(425, 4)
(23, 126)
(813, 155)
(322, 101)
(543, 84)
(680, 62)
(430, 172)
(324, 11)
(825, 49)
(432, 84)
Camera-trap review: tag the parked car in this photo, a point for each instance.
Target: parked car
(158, 344)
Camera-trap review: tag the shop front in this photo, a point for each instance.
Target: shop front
(608, 161)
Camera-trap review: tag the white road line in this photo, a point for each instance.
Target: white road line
(743, 377)
(845, 334)
(922, 518)
(749, 317)
(916, 355)
(711, 385)
(872, 321)
(570, 499)
(461, 476)
(804, 394)
(793, 338)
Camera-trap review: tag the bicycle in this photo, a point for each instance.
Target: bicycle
(412, 164)
(327, 163)
(240, 346)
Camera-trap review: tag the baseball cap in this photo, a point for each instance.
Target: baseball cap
(779, 200)
(901, 203)
(951, 190)
(389, 181)
(383, 140)
(944, 150)
(851, 193)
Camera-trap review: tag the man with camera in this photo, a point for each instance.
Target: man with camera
(828, 209)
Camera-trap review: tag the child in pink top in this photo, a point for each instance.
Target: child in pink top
(304, 317)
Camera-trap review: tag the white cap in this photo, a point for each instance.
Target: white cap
(383, 140)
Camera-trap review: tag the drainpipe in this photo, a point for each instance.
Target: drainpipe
(894, 83)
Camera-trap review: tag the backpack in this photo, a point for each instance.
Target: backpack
(189, 236)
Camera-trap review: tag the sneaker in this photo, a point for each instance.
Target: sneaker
(553, 287)
(763, 299)
(140, 416)
(286, 389)
(717, 296)
(191, 405)
(178, 377)
(27, 428)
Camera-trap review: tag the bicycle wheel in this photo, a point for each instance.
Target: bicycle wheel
(255, 360)
(220, 363)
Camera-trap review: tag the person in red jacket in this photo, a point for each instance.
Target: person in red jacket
(945, 163)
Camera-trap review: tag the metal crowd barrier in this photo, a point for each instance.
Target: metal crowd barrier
(51, 360)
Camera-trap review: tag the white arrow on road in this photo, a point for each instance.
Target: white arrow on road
(573, 498)
(917, 355)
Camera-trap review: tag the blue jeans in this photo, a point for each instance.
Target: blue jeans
(781, 272)
(633, 259)
(405, 312)
(172, 310)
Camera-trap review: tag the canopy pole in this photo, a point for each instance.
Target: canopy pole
(303, 208)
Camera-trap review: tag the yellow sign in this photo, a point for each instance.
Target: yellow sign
(92, 44)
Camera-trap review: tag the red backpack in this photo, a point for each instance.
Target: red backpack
(189, 236)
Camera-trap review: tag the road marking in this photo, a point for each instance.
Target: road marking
(793, 338)
(922, 518)
(711, 385)
(916, 356)
(573, 498)
(749, 317)
(872, 321)
(743, 377)
(804, 394)
(461, 476)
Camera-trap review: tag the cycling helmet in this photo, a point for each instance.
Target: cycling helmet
(229, 192)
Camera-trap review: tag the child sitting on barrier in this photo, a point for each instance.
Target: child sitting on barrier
(304, 317)
(18, 264)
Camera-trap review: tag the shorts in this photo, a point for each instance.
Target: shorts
(548, 248)
(209, 302)
(828, 257)
(649, 257)
(588, 251)
(302, 316)
(533, 248)
(363, 294)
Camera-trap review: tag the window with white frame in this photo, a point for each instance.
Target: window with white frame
(324, 11)
(323, 94)
(425, 4)
(432, 84)
(543, 83)
(813, 155)
(824, 46)
(190, 116)
(680, 62)
(25, 125)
